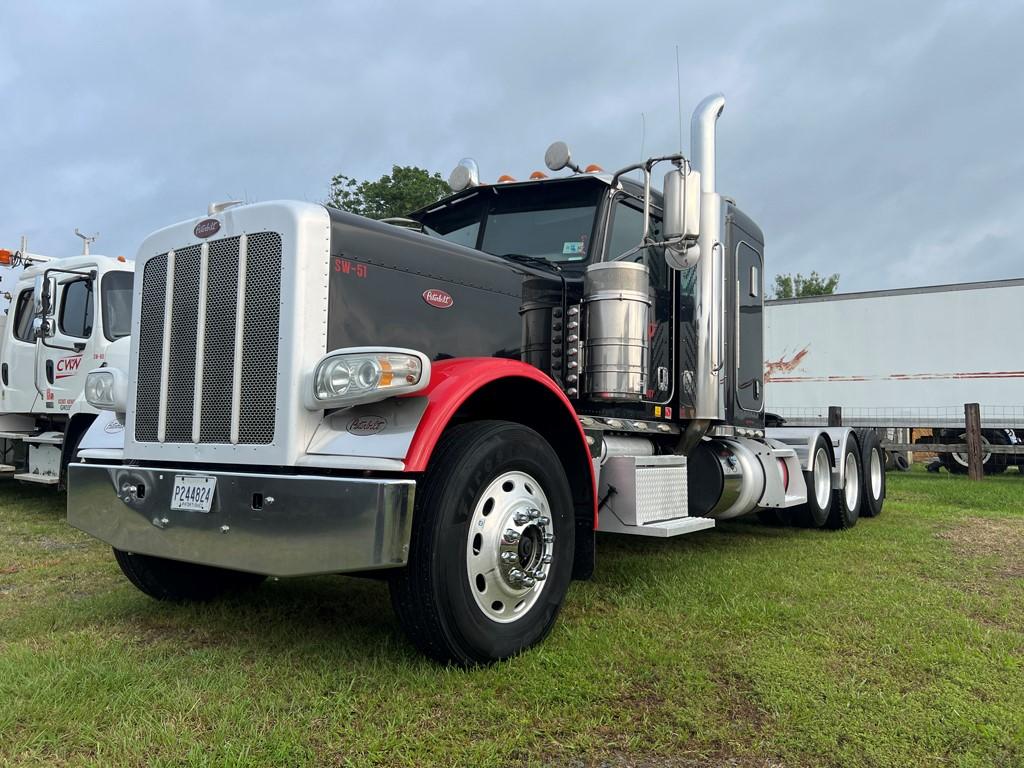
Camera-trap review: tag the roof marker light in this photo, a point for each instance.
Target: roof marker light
(505, 179)
(594, 168)
(538, 175)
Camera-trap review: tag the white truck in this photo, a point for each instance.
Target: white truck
(905, 358)
(63, 316)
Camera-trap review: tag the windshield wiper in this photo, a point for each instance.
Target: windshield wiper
(534, 261)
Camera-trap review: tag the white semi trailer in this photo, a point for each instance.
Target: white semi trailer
(63, 316)
(903, 358)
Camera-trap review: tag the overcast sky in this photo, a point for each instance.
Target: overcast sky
(878, 140)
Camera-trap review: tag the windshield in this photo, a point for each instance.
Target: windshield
(547, 220)
(117, 304)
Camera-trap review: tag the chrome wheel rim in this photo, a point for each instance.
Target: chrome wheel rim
(961, 458)
(822, 478)
(510, 547)
(851, 482)
(875, 468)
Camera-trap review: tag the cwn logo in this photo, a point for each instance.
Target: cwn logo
(68, 366)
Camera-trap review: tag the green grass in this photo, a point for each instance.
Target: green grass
(899, 642)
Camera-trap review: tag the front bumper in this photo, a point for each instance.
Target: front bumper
(307, 524)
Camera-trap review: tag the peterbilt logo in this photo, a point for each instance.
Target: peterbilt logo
(207, 227)
(370, 424)
(435, 297)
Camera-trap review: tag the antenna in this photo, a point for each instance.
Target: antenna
(86, 240)
(679, 100)
(643, 134)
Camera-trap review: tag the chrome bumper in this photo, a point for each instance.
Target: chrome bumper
(307, 524)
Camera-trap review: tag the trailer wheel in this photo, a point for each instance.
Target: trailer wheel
(872, 469)
(846, 506)
(176, 581)
(815, 513)
(492, 545)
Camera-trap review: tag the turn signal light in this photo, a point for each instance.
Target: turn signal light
(5, 257)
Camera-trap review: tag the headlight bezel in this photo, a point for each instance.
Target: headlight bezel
(392, 371)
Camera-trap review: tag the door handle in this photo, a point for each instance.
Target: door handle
(49, 371)
(3, 374)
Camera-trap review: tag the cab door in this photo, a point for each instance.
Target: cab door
(18, 392)
(64, 357)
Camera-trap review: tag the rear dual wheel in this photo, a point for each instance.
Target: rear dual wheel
(872, 467)
(815, 512)
(490, 557)
(846, 505)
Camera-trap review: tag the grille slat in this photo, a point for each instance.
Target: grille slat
(258, 356)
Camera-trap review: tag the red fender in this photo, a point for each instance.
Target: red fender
(453, 381)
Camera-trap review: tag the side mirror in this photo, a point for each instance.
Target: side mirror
(42, 328)
(682, 217)
(39, 300)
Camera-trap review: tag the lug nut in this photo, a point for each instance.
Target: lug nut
(516, 575)
(528, 581)
(522, 518)
(509, 557)
(543, 521)
(546, 559)
(534, 514)
(539, 575)
(511, 536)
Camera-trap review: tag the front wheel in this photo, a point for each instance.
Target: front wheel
(173, 580)
(492, 545)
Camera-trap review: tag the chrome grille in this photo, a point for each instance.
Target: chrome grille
(235, 388)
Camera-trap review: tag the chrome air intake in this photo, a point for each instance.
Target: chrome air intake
(616, 310)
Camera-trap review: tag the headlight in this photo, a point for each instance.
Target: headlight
(107, 389)
(364, 375)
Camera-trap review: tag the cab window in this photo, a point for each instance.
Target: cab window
(76, 309)
(23, 316)
(117, 304)
(627, 229)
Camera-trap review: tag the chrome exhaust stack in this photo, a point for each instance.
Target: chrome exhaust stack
(708, 378)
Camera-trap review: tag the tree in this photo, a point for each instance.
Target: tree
(789, 287)
(405, 190)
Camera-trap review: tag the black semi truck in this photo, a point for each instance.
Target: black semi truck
(457, 400)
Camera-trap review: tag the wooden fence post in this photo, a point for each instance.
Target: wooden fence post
(835, 416)
(972, 418)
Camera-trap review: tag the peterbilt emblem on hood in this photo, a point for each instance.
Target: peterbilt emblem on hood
(207, 227)
(370, 424)
(435, 297)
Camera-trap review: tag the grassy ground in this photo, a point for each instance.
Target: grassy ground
(899, 642)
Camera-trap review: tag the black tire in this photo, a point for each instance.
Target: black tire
(175, 581)
(433, 595)
(847, 503)
(815, 512)
(991, 464)
(772, 517)
(872, 473)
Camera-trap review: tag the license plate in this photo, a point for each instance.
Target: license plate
(192, 493)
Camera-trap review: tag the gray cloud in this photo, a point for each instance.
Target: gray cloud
(878, 140)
